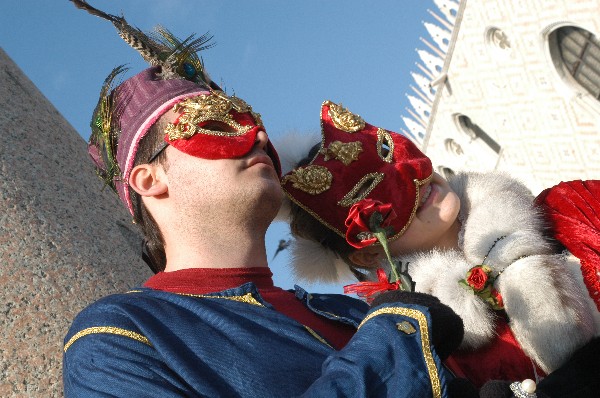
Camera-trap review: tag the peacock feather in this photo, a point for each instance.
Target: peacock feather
(178, 59)
(183, 55)
(103, 140)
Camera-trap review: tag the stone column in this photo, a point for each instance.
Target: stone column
(64, 241)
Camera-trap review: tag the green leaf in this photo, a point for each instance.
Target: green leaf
(464, 284)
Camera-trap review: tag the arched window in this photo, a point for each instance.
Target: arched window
(453, 147)
(474, 132)
(577, 53)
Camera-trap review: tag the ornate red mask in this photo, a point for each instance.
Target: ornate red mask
(215, 126)
(357, 160)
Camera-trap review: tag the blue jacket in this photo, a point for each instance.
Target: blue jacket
(148, 343)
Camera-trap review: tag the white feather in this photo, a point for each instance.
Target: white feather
(293, 147)
(312, 262)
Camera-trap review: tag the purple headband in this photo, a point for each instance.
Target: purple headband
(140, 101)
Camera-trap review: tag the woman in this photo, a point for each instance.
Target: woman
(525, 313)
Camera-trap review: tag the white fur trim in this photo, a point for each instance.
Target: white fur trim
(550, 312)
(495, 205)
(547, 310)
(437, 273)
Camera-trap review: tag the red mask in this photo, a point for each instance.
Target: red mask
(355, 161)
(215, 126)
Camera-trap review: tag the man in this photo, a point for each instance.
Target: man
(198, 173)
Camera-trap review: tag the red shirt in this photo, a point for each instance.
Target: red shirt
(210, 280)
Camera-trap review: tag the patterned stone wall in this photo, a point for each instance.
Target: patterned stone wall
(63, 241)
(501, 75)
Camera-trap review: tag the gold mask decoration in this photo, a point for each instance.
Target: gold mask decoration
(343, 119)
(384, 138)
(310, 179)
(215, 106)
(361, 189)
(344, 152)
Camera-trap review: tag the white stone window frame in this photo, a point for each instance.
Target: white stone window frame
(566, 84)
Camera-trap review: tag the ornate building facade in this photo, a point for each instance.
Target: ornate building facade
(511, 86)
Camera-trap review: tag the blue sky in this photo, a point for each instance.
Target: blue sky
(284, 57)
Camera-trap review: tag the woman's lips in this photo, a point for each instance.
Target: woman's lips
(428, 196)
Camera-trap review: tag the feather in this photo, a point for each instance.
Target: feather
(314, 263)
(182, 56)
(283, 244)
(137, 39)
(103, 140)
(177, 59)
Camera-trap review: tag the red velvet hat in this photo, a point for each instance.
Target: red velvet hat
(357, 160)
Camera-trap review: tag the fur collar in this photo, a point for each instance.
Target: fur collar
(537, 289)
(495, 205)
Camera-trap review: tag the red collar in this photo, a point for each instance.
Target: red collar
(209, 280)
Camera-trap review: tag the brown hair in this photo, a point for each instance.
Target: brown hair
(153, 245)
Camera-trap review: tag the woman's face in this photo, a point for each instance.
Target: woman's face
(435, 224)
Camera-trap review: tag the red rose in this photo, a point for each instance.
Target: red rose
(477, 278)
(358, 222)
(499, 303)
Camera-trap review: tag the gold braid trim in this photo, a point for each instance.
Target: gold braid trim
(107, 330)
(418, 185)
(428, 356)
(246, 298)
(316, 336)
(370, 180)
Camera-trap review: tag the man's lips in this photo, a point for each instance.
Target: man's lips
(260, 159)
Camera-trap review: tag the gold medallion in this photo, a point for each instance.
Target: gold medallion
(310, 179)
(344, 152)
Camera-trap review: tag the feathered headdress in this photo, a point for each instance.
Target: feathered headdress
(176, 59)
(176, 80)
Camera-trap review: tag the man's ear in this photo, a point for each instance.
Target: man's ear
(148, 180)
(367, 257)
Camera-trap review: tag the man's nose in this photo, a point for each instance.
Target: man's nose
(261, 139)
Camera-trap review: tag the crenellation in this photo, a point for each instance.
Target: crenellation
(448, 8)
(440, 36)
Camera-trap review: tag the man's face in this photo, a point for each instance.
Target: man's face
(223, 189)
